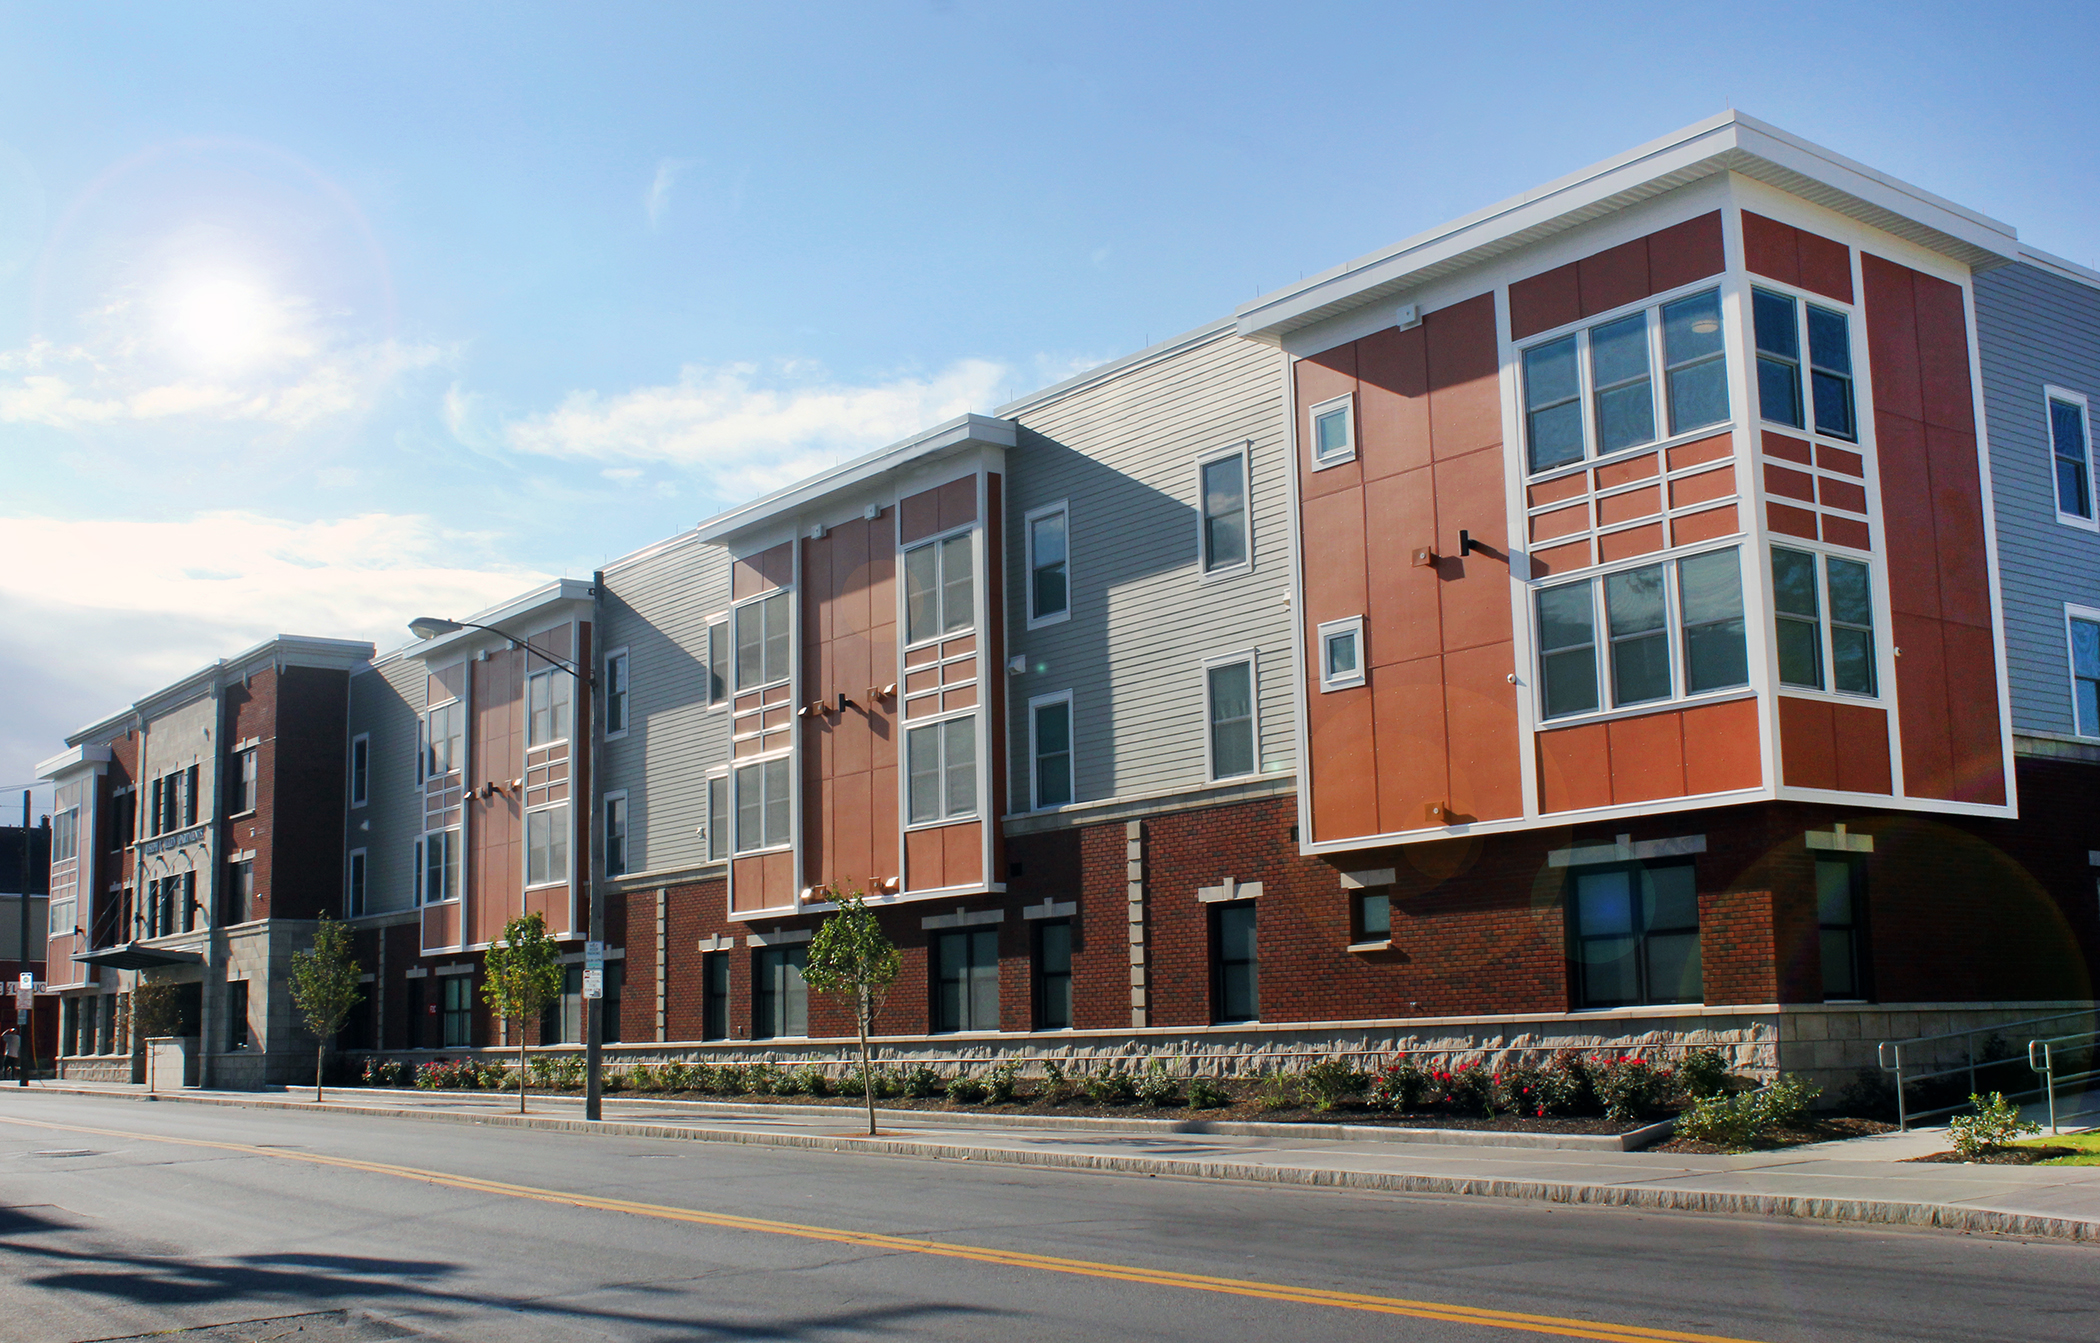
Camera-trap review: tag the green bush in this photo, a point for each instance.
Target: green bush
(1109, 1087)
(1156, 1086)
(643, 1078)
(1748, 1117)
(1399, 1086)
(817, 1082)
(1280, 1091)
(1627, 1087)
(1205, 1094)
(1996, 1122)
(1057, 1085)
(1332, 1082)
(1470, 1090)
(763, 1079)
(1702, 1073)
(730, 1080)
(921, 1082)
(613, 1080)
(964, 1089)
(1001, 1083)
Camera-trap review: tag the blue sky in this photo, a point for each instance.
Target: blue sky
(316, 318)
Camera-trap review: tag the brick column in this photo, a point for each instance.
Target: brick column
(1134, 880)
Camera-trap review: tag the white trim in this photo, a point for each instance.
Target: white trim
(2051, 392)
(1028, 521)
(1835, 840)
(978, 806)
(963, 918)
(905, 644)
(1346, 403)
(605, 810)
(1065, 909)
(1244, 450)
(1353, 628)
(783, 937)
(1624, 849)
(461, 969)
(1368, 878)
(568, 846)
(1071, 752)
(708, 700)
(1252, 657)
(1228, 889)
(605, 682)
(2091, 615)
(737, 767)
(357, 872)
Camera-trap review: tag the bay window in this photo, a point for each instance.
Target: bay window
(547, 845)
(762, 645)
(1785, 326)
(939, 591)
(941, 770)
(1823, 621)
(762, 809)
(1670, 629)
(1594, 392)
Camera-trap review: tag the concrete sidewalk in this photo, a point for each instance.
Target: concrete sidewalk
(1862, 1180)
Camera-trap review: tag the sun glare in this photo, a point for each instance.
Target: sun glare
(224, 322)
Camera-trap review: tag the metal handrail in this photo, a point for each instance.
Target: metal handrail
(1888, 1050)
(2046, 1067)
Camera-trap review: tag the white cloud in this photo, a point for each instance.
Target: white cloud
(658, 200)
(748, 432)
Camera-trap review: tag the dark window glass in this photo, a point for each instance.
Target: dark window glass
(616, 693)
(1235, 976)
(237, 1014)
(1634, 605)
(354, 902)
(718, 662)
(458, 1014)
(1567, 649)
(1778, 357)
(1224, 514)
(1830, 372)
(1696, 370)
(1635, 935)
(1552, 404)
(1231, 720)
(615, 836)
(718, 817)
(1621, 372)
(1046, 542)
(360, 770)
(714, 989)
(782, 997)
(2085, 676)
(1053, 975)
(1838, 909)
(1374, 916)
(609, 1003)
(966, 981)
(2074, 476)
(1053, 754)
(1710, 587)
(1799, 622)
(1851, 627)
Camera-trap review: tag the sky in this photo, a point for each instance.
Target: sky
(317, 318)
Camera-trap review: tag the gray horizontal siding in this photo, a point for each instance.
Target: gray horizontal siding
(2036, 329)
(387, 701)
(1123, 453)
(657, 607)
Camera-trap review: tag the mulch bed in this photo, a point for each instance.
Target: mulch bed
(1817, 1130)
(2004, 1156)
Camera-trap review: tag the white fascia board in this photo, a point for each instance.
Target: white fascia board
(77, 757)
(2056, 265)
(1724, 143)
(959, 434)
(297, 650)
(522, 610)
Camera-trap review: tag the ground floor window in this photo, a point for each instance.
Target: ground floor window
(782, 999)
(563, 1020)
(714, 996)
(1840, 919)
(237, 1014)
(1234, 973)
(609, 1003)
(966, 980)
(457, 1016)
(1053, 975)
(1635, 936)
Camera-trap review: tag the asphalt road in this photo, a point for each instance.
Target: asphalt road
(120, 1218)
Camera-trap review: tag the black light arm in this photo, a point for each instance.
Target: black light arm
(430, 627)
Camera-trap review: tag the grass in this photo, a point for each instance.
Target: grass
(2088, 1145)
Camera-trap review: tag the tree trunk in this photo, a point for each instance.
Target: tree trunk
(320, 1057)
(867, 1074)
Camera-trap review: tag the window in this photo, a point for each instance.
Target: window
(1341, 654)
(714, 995)
(354, 895)
(782, 1006)
(2085, 671)
(718, 662)
(237, 1014)
(939, 596)
(241, 782)
(1593, 392)
(762, 642)
(237, 905)
(1778, 319)
(440, 866)
(966, 980)
(762, 806)
(1696, 601)
(615, 834)
(1334, 431)
(547, 846)
(2070, 444)
(941, 762)
(718, 818)
(360, 769)
(1801, 630)
(546, 707)
(1374, 917)
(1049, 577)
(444, 747)
(1223, 482)
(616, 693)
(457, 1017)
(187, 780)
(1235, 983)
(609, 1002)
(1230, 703)
(1635, 935)
(1053, 975)
(562, 1021)
(65, 835)
(1050, 744)
(1840, 907)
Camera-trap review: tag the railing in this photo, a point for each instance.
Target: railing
(1890, 1055)
(2044, 1063)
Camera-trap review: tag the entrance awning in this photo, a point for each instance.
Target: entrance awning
(132, 956)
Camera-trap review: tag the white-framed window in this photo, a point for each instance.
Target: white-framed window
(1668, 629)
(1232, 736)
(1225, 542)
(939, 587)
(763, 814)
(616, 693)
(1331, 430)
(243, 782)
(440, 851)
(1341, 654)
(718, 817)
(547, 845)
(1049, 564)
(2071, 455)
(1050, 774)
(65, 835)
(1823, 609)
(763, 647)
(1786, 327)
(444, 740)
(360, 769)
(2082, 630)
(717, 663)
(354, 886)
(1593, 391)
(547, 696)
(616, 833)
(940, 762)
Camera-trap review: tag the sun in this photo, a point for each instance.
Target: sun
(222, 321)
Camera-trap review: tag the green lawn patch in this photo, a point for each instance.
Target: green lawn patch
(2088, 1145)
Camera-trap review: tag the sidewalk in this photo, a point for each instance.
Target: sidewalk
(1863, 1180)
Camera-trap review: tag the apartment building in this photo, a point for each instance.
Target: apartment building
(1660, 609)
(199, 833)
(25, 881)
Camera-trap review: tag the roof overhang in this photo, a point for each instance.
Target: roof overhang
(132, 956)
(962, 434)
(86, 755)
(1730, 142)
(514, 619)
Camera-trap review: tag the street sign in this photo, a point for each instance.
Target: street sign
(27, 982)
(594, 982)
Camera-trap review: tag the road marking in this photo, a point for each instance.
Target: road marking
(1555, 1325)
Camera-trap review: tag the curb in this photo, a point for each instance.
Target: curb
(1877, 1212)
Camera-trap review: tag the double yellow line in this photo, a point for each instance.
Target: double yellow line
(1555, 1325)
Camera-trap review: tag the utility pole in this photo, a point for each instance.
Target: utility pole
(27, 1058)
(594, 1004)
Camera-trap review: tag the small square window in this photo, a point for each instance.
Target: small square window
(1334, 431)
(1342, 654)
(1374, 916)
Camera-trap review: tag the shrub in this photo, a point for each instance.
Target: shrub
(1057, 1086)
(385, 1072)
(498, 1077)
(1399, 1086)
(613, 1080)
(642, 1078)
(1518, 1089)
(1332, 1082)
(1748, 1117)
(1001, 1083)
(1205, 1094)
(1996, 1122)
(1471, 1089)
(964, 1089)
(1562, 1089)
(1280, 1091)
(433, 1075)
(1784, 1104)
(730, 1080)
(1627, 1087)
(817, 1082)
(1109, 1087)
(920, 1082)
(676, 1076)
(1156, 1086)
(763, 1079)
(1869, 1095)
(1702, 1073)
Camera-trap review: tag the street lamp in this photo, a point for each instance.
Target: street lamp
(430, 627)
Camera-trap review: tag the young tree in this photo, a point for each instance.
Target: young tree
(523, 975)
(324, 987)
(849, 954)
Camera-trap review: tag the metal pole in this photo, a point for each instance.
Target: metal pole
(1902, 1107)
(2049, 1071)
(594, 1008)
(23, 1015)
